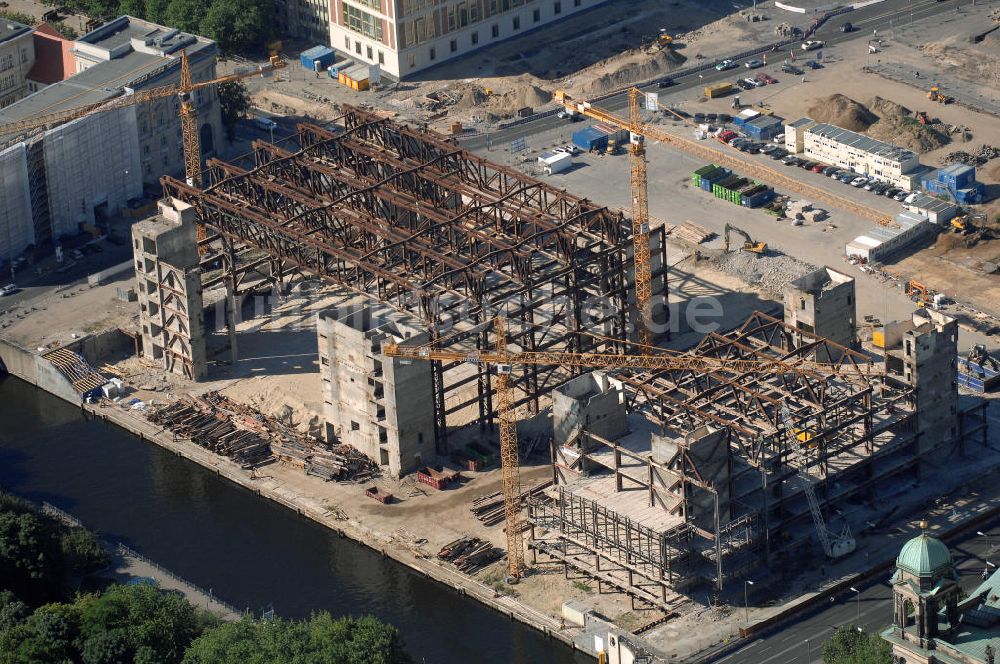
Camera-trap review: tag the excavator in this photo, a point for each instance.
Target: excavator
(749, 245)
(917, 292)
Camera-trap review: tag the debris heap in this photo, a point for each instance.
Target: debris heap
(470, 554)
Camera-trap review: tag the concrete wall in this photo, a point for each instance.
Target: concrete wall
(592, 402)
(16, 228)
(105, 347)
(36, 370)
(90, 162)
(824, 303)
(382, 406)
(930, 352)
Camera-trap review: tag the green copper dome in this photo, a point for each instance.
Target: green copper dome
(924, 556)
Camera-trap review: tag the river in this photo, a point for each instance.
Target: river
(246, 549)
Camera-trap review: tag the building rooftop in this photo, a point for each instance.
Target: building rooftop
(126, 52)
(802, 122)
(861, 142)
(11, 29)
(925, 202)
(924, 556)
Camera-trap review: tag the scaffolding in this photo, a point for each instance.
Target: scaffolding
(408, 217)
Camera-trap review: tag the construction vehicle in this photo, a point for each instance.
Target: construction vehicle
(961, 224)
(664, 40)
(935, 94)
(917, 292)
(504, 360)
(712, 155)
(749, 245)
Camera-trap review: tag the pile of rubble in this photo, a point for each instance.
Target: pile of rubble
(470, 554)
(983, 155)
(768, 273)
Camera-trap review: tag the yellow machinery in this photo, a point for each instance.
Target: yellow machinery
(504, 360)
(749, 245)
(664, 39)
(917, 292)
(935, 94)
(961, 224)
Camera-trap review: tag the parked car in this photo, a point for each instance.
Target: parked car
(847, 27)
(791, 69)
(765, 79)
(858, 182)
(726, 64)
(753, 64)
(563, 115)
(790, 160)
(769, 148)
(568, 149)
(9, 289)
(780, 153)
(829, 170)
(846, 177)
(807, 165)
(812, 64)
(811, 45)
(743, 85)
(818, 168)
(891, 191)
(665, 82)
(901, 196)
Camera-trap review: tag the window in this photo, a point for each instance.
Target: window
(370, 54)
(381, 58)
(347, 42)
(474, 38)
(517, 22)
(357, 47)
(453, 45)
(361, 21)
(495, 30)
(433, 53)
(536, 15)
(355, 426)
(557, 7)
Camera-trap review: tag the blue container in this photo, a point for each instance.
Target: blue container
(759, 198)
(590, 139)
(317, 58)
(957, 176)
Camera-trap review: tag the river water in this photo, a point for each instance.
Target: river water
(247, 550)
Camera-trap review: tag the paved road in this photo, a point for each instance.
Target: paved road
(881, 17)
(802, 642)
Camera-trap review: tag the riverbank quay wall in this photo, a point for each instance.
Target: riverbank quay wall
(408, 217)
(35, 369)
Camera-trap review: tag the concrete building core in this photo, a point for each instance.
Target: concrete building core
(168, 283)
(823, 303)
(382, 406)
(593, 401)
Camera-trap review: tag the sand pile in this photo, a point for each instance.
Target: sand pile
(634, 70)
(843, 112)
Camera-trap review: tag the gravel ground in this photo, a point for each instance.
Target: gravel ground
(768, 273)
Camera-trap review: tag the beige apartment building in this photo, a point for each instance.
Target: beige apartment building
(404, 37)
(17, 57)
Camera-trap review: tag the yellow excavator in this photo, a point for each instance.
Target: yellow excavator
(935, 94)
(749, 245)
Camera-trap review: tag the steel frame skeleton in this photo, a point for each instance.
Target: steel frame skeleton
(861, 430)
(406, 216)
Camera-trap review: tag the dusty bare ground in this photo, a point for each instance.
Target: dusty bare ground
(585, 55)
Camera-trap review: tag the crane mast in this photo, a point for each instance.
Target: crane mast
(640, 221)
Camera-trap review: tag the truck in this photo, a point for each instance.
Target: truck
(720, 90)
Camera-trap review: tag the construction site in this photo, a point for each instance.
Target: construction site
(470, 367)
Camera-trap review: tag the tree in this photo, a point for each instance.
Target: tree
(234, 102)
(146, 623)
(30, 554)
(156, 10)
(849, 645)
(48, 635)
(320, 639)
(133, 8)
(237, 25)
(12, 610)
(185, 15)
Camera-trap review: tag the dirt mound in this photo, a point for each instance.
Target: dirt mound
(843, 112)
(887, 110)
(526, 94)
(633, 71)
(472, 97)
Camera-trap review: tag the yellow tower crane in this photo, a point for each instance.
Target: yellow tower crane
(717, 156)
(504, 360)
(188, 110)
